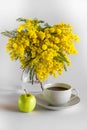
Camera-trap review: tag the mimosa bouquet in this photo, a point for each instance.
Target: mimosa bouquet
(42, 48)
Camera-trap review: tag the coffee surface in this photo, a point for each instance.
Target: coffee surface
(57, 88)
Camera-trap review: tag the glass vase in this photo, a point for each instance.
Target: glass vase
(31, 86)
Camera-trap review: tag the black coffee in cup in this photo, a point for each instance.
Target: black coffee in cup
(57, 88)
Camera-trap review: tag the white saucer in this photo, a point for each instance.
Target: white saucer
(41, 102)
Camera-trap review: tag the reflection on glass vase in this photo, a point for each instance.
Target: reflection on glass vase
(30, 84)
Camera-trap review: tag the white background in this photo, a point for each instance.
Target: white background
(52, 11)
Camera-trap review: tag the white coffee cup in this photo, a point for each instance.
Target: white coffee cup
(58, 93)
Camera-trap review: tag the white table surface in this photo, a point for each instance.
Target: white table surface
(73, 118)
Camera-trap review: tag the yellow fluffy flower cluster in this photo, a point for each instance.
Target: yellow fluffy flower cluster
(44, 49)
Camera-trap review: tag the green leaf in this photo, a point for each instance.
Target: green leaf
(58, 59)
(32, 74)
(63, 57)
(47, 25)
(24, 30)
(53, 33)
(10, 34)
(40, 21)
(65, 67)
(61, 60)
(21, 19)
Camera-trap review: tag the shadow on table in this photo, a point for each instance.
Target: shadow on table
(9, 107)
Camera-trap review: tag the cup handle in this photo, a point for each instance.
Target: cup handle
(75, 93)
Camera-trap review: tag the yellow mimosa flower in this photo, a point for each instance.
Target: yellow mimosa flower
(44, 47)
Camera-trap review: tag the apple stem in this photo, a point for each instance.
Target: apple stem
(25, 91)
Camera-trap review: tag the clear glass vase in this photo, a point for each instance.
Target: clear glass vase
(31, 86)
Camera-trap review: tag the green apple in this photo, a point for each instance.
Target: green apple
(26, 102)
